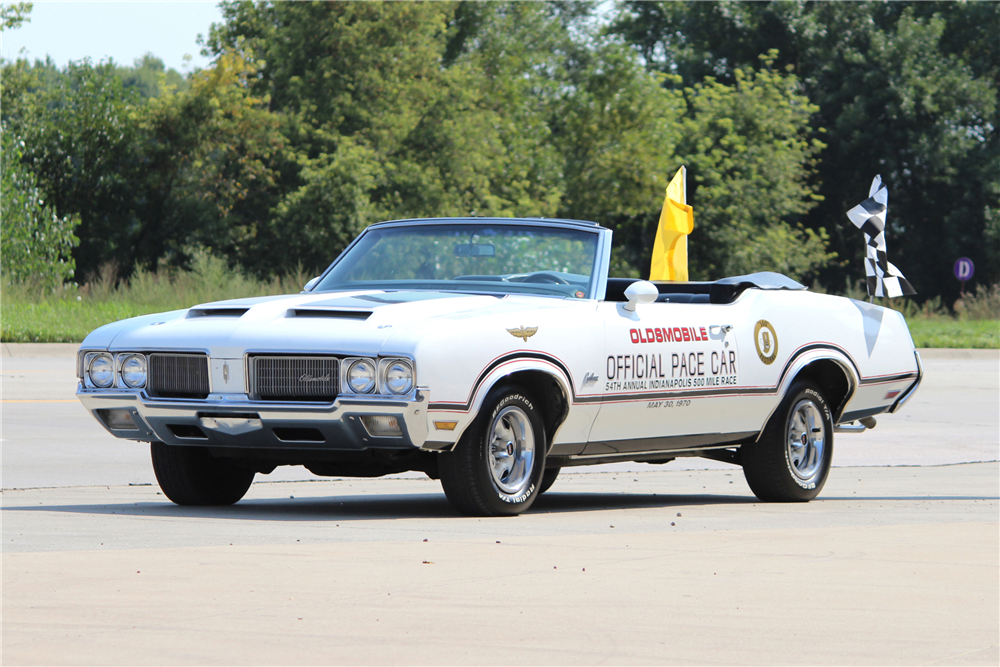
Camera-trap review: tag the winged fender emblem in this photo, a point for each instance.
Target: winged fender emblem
(523, 332)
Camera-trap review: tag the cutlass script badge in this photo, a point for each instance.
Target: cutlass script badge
(523, 332)
(308, 377)
(766, 340)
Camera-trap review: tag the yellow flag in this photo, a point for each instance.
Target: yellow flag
(670, 261)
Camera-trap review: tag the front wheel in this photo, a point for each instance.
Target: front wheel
(192, 476)
(791, 460)
(548, 479)
(496, 469)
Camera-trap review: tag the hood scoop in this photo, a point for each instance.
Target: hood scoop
(330, 313)
(217, 312)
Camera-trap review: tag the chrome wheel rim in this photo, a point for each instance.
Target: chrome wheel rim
(806, 441)
(511, 451)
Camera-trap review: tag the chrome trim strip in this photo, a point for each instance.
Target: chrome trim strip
(850, 428)
(602, 266)
(695, 448)
(906, 395)
(410, 411)
(639, 456)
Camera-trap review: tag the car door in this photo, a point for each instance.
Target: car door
(671, 377)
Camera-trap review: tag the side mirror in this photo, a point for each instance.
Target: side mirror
(641, 291)
(310, 284)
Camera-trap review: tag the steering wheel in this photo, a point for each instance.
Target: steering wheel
(545, 278)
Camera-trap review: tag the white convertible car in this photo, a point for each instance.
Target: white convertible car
(489, 354)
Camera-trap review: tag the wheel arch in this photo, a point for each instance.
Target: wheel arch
(547, 386)
(835, 381)
(830, 369)
(551, 396)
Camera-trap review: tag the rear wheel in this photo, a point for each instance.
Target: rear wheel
(192, 476)
(791, 460)
(496, 469)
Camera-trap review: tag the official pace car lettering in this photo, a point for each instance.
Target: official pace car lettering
(674, 370)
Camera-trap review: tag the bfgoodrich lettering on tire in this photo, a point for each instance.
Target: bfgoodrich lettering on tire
(496, 468)
(791, 460)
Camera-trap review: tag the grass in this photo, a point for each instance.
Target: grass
(59, 321)
(29, 316)
(949, 332)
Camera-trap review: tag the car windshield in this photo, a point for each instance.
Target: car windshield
(469, 257)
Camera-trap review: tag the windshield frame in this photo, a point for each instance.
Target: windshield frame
(596, 285)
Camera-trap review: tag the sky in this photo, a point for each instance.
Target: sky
(123, 31)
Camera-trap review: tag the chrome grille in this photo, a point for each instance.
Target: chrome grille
(294, 378)
(178, 375)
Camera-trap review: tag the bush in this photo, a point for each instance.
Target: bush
(983, 305)
(35, 242)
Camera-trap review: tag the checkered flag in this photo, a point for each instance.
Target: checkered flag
(884, 279)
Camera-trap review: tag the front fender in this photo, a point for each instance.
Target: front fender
(508, 371)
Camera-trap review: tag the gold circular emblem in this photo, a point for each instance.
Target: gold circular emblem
(766, 341)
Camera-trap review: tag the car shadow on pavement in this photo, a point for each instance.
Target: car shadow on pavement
(554, 501)
(375, 507)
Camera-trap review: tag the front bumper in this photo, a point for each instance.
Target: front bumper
(233, 421)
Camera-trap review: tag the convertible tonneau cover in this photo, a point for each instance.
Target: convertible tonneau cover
(763, 280)
(720, 291)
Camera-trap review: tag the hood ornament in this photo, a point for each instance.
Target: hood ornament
(523, 332)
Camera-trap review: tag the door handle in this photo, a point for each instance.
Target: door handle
(719, 332)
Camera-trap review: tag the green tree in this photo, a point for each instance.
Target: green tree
(84, 144)
(209, 165)
(922, 119)
(377, 127)
(905, 90)
(152, 179)
(13, 14)
(25, 90)
(618, 132)
(750, 158)
(35, 242)
(150, 77)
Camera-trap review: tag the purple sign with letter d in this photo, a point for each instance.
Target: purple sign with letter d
(964, 268)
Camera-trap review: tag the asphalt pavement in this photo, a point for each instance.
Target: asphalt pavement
(897, 562)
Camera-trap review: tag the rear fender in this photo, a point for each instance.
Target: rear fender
(820, 366)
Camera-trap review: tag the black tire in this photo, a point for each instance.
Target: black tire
(548, 479)
(192, 476)
(486, 476)
(791, 460)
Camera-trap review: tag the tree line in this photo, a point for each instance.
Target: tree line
(317, 119)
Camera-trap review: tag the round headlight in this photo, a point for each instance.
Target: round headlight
(102, 371)
(361, 376)
(134, 371)
(398, 377)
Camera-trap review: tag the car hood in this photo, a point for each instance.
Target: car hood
(346, 323)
